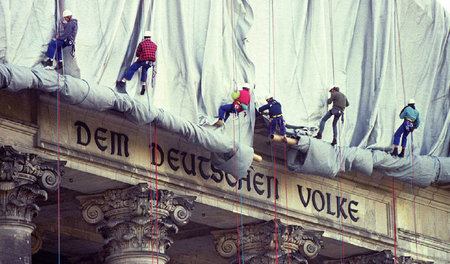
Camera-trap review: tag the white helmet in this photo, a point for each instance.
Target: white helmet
(147, 34)
(411, 101)
(246, 85)
(268, 96)
(67, 13)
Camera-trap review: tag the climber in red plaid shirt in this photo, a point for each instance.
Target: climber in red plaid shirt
(146, 53)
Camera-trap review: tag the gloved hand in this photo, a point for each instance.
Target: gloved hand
(236, 107)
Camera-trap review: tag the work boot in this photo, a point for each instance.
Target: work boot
(219, 123)
(48, 62)
(59, 66)
(318, 136)
(120, 84)
(402, 154)
(395, 152)
(143, 89)
(334, 142)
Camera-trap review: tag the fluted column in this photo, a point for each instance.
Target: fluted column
(257, 242)
(135, 222)
(24, 178)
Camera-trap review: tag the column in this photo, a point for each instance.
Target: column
(136, 222)
(23, 179)
(258, 242)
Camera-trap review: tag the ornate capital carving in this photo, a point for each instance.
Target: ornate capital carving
(136, 218)
(23, 178)
(259, 243)
(382, 257)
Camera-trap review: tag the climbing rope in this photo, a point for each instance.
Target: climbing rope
(58, 119)
(397, 27)
(286, 198)
(341, 220)
(238, 202)
(272, 50)
(152, 193)
(339, 181)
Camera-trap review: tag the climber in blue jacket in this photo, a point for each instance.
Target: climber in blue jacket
(411, 121)
(275, 114)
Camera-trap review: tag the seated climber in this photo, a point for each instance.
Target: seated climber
(241, 103)
(63, 39)
(275, 114)
(146, 53)
(411, 121)
(339, 101)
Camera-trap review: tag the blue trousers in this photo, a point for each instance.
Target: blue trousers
(274, 122)
(327, 116)
(135, 66)
(404, 129)
(225, 111)
(55, 45)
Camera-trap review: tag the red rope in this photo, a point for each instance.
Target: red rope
(286, 194)
(156, 192)
(275, 202)
(236, 189)
(395, 221)
(414, 194)
(340, 194)
(151, 187)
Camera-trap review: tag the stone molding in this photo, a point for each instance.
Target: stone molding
(295, 244)
(127, 220)
(24, 177)
(382, 257)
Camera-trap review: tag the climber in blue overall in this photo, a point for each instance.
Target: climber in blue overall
(411, 121)
(275, 114)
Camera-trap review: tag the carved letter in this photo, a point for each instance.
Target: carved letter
(269, 178)
(256, 183)
(247, 179)
(314, 200)
(99, 138)
(339, 204)
(200, 167)
(227, 177)
(192, 169)
(155, 155)
(214, 177)
(329, 205)
(351, 211)
(88, 133)
(170, 158)
(119, 136)
(305, 203)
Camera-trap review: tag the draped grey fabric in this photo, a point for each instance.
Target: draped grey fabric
(208, 48)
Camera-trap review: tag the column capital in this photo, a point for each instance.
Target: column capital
(136, 221)
(23, 178)
(258, 242)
